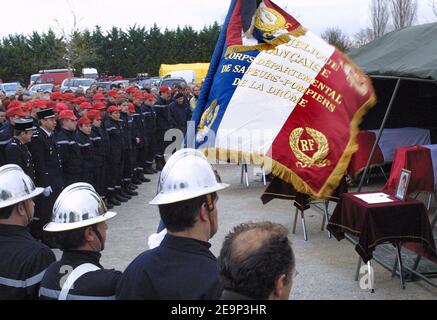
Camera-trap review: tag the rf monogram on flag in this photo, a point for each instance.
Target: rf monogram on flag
(318, 144)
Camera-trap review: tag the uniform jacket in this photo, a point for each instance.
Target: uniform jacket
(96, 285)
(18, 153)
(179, 269)
(23, 262)
(46, 160)
(70, 152)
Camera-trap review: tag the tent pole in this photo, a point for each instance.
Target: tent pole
(387, 113)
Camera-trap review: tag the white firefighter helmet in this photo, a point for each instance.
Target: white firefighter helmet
(78, 205)
(16, 186)
(186, 175)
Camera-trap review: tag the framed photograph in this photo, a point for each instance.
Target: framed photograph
(404, 180)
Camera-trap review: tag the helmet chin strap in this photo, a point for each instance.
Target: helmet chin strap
(210, 208)
(96, 231)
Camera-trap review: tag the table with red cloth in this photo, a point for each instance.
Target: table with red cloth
(418, 160)
(404, 222)
(391, 139)
(365, 141)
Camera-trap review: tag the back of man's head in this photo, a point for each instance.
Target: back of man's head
(257, 261)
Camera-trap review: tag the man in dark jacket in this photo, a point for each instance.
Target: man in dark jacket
(23, 259)
(163, 123)
(7, 130)
(182, 267)
(79, 222)
(68, 149)
(99, 154)
(48, 171)
(114, 129)
(17, 151)
(86, 150)
(180, 113)
(149, 116)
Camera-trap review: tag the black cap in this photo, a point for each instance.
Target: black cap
(24, 124)
(45, 114)
(178, 95)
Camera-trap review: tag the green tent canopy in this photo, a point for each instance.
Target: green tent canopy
(410, 52)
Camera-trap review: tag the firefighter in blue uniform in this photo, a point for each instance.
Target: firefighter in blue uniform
(79, 222)
(129, 145)
(68, 148)
(163, 123)
(7, 130)
(86, 147)
(17, 151)
(149, 116)
(99, 154)
(48, 171)
(23, 259)
(182, 267)
(142, 145)
(114, 130)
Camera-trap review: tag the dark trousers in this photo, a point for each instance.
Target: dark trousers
(151, 150)
(99, 180)
(43, 214)
(88, 177)
(127, 164)
(71, 178)
(115, 172)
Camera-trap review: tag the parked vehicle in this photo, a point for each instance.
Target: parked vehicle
(10, 88)
(47, 87)
(148, 83)
(55, 76)
(185, 70)
(33, 78)
(74, 83)
(105, 84)
(90, 73)
(171, 82)
(125, 83)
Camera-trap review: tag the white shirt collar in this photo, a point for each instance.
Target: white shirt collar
(48, 133)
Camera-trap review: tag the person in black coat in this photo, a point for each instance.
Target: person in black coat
(17, 151)
(7, 130)
(79, 222)
(149, 116)
(86, 150)
(68, 148)
(129, 152)
(48, 172)
(180, 113)
(114, 129)
(23, 259)
(163, 123)
(182, 267)
(98, 154)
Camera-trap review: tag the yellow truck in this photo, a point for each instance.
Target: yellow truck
(191, 72)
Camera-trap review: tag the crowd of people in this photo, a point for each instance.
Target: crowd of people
(109, 139)
(256, 261)
(68, 159)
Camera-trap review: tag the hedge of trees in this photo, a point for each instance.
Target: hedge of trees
(114, 52)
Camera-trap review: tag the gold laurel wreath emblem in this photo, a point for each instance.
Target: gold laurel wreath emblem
(275, 21)
(319, 157)
(207, 120)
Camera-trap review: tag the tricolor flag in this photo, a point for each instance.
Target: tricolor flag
(278, 95)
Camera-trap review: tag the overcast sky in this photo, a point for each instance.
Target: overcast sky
(24, 16)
